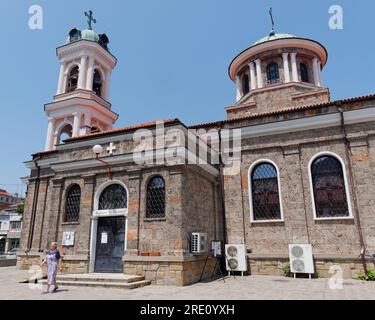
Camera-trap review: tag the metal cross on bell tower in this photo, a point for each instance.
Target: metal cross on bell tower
(91, 19)
(272, 22)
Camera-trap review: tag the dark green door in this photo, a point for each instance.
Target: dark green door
(110, 245)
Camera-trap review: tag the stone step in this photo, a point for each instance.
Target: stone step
(100, 277)
(103, 284)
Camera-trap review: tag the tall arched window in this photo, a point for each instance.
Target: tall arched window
(304, 73)
(113, 197)
(155, 198)
(265, 196)
(273, 75)
(73, 202)
(73, 79)
(97, 83)
(329, 190)
(245, 84)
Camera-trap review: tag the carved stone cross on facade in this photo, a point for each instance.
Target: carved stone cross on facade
(111, 149)
(90, 20)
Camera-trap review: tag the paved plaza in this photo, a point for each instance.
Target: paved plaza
(252, 287)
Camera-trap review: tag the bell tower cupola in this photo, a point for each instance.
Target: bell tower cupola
(278, 71)
(81, 104)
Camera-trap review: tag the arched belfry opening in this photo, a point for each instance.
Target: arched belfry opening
(65, 133)
(97, 83)
(73, 79)
(94, 129)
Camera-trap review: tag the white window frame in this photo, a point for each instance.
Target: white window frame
(347, 189)
(252, 219)
(110, 212)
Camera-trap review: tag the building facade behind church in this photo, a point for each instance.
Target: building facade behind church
(306, 172)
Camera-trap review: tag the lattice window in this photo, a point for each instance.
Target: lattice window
(73, 202)
(304, 73)
(113, 197)
(273, 74)
(265, 192)
(329, 188)
(155, 198)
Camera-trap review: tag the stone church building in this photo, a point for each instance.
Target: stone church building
(305, 175)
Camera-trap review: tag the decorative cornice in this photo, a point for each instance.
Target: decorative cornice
(81, 45)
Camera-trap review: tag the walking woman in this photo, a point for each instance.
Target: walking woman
(52, 260)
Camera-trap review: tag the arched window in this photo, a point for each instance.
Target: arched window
(65, 133)
(304, 73)
(245, 84)
(73, 79)
(273, 75)
(155, 198)
(329, 191)
(97, 83)
(73, 202)
(265, 195)
(113, 197)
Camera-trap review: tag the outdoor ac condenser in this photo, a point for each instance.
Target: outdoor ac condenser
(235, 257)
(301, 258)
(199, 243)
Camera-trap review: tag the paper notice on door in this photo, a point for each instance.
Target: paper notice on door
(104, 238)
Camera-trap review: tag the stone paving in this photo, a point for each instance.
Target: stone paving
(254, 287)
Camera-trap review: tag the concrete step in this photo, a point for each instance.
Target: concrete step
(103, 284)
(106, 280)
(100, 277)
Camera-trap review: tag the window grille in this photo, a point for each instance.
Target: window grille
(73, 201)
(329, 188)
(155, 198)
(113, 197)
(265, 192)
(273, 74)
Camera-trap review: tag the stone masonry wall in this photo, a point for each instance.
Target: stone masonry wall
(292, 152)
(174, 273)
(201, 211)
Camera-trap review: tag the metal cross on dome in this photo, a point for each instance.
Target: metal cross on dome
(91, 19)
(272, 21)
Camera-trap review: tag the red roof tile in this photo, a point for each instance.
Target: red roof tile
(283, 111)
(123, 130)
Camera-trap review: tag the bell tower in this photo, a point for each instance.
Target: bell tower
(81, 104)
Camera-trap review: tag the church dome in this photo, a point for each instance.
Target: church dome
(89, 35)
(274, 36)
(276, 43)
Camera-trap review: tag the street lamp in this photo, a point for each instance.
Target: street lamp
(98, 149)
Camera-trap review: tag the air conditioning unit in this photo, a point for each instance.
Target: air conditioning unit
(199, 243)
(236, 257)
(301, 258)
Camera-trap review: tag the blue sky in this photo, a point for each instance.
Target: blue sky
(173, 59)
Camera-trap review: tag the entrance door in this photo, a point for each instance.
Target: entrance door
(110, 245)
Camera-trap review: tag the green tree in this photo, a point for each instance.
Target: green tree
(20, 208)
